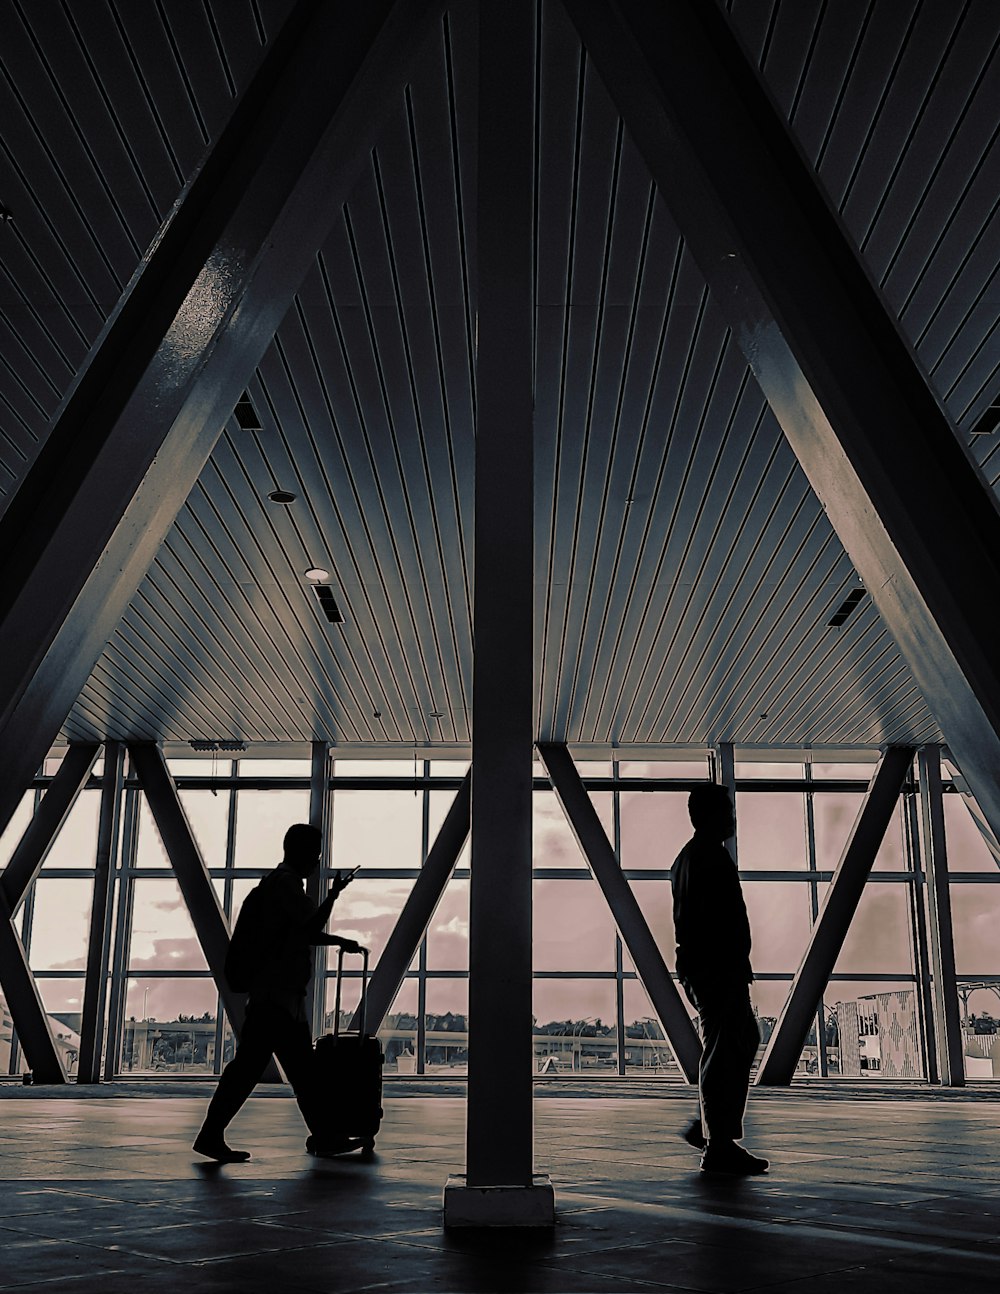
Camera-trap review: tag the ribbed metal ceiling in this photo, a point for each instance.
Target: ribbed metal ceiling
(685, 574)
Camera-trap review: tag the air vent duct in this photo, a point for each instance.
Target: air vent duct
(332, 612)
(246, 414)
(846, 608)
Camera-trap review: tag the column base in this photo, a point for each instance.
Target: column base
(499, 1206)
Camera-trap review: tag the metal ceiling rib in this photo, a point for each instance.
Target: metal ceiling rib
(106, 111)
(685, 573)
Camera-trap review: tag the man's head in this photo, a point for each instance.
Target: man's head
(302, 846)
(711, 811)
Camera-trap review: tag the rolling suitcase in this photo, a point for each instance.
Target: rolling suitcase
(349, 1073)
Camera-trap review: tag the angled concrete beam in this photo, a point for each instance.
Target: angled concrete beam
(632, 925)
(869, 432)
(95, 989)
(196, 886)
(25, 1005)
(143, 414)
(418, 910)
(52, 811)
(835, 916)
(947, 1024)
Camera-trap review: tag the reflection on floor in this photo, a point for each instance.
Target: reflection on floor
(887, 1194)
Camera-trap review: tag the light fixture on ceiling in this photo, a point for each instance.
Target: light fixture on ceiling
(6, 215)
(435, 714)
(317, 575)
(282, 496)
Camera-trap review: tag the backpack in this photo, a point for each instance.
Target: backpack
(243, 954)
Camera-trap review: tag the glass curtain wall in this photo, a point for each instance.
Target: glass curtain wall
(591, 1014)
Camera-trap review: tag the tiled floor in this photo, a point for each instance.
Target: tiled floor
(889, 1194)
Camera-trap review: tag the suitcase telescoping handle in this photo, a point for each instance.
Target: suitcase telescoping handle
(363, 1004)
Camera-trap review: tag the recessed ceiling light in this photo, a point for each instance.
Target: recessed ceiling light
(318, 574)
(281, 496)
(435, 714)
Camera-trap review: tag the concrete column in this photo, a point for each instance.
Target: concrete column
(321, 817)
(499, 1187)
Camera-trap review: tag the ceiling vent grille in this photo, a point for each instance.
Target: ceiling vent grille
(990, 420)
(846, 608)
(246, 414)
(330, 609)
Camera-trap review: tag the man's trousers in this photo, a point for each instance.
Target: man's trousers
(267, 1031)
(729, 1040)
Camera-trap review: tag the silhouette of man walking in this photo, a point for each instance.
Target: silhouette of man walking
(270, 951)
(713, 965)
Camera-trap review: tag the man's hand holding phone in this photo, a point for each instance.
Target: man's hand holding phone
(341, 880)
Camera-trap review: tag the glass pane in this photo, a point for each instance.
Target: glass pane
(76, 844)
(967, 851)
(376, 828)
(6, 1037)
(980, 1014)
(872, 1030)
(553, 842)
(208, 815)
(399, 1032)
(61, 925)
(438, 804)
(656, 899)
(751, 769)
(574, 1030)
(572, 926)
(772, 830)
(207, 767)
(975, 914)
(593, 767)
(149, 851)
(63, 1003)
(448, 934)
(262, 818)
(367, 911)
(16, 828)
(169, 1026)
(693, 768)
(779, 923)
(845, 772)
(449, 767)
(163, 936)
(834, 816)
(378, 768)
(655, 827)
(646, 1048)
(275, 768)
(445, 1021)
(878, 941)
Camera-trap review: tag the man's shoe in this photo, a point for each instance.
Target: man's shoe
(216, 1148)
(728, 1157)
(328, 1147)
(694, 1135)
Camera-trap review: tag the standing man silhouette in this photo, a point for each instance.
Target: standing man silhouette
(713, 965)
(278, 927)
